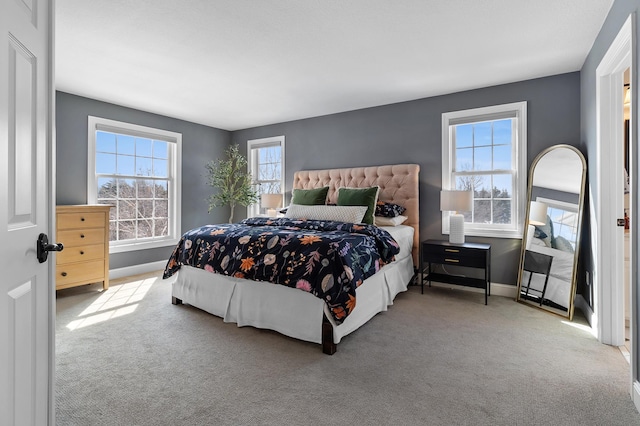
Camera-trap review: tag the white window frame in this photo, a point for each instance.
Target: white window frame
(254, 209)
(518, 111)
(175, 178)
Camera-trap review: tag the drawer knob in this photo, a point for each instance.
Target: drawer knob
(81, 252)
(64, 274)
(81, 235)
(82, 219)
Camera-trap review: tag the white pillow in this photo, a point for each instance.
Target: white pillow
(390, 221)
(349, 214)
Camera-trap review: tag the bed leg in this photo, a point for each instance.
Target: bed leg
(328, 347)
(176, 301)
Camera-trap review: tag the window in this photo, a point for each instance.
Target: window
(266, 164)
(137, 170)
(484, 150)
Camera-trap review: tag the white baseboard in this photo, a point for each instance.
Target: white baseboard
(636, 394)
(137, 269)
(497, 289)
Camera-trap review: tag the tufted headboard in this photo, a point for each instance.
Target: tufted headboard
(398, 184)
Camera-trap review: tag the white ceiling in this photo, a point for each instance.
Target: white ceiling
(235, 64)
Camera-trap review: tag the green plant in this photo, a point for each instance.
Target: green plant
(232, 180)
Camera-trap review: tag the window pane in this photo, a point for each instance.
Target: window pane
(105, 142)
(143, 147)
(502, 186)
(464, 159)
(502, 132)
(126, 230)
(502, 157)
(161, 189)
(482, 158)
(161, 208)
(145, 209)
(143, 166)
(126, 188)
(107, 188)
(502, 211)
(160, 227)
(482, 187)
(105, 163)
(145, 228)
(482, 134)
(126, 165)
(464, 135)
(126, 145)
(160, 149)
(113, 230)
(482, 211)
(160, 168)
(145, 188)
(126, 209)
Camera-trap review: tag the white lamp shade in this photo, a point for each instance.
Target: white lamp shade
(456, 201)
(270, 201)
(538, 213)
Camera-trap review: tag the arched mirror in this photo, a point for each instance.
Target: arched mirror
(551, 240)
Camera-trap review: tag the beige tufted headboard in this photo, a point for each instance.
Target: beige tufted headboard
(398, 184)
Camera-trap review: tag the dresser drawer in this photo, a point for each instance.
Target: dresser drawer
(80, 220)
(92, 271)
(455, 256)
(80, 253)
(81, 237)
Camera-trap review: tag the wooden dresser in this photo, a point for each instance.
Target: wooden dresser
(84, 232)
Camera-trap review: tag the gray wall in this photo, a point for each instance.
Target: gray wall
(618, 14)
(199, 145)
(410, 132)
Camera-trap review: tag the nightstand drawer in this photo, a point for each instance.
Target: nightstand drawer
(80, 254)
(455, 256)
(79, 272)
(81, 220)
(80, 237)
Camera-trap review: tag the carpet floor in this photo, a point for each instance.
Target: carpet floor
(127, 356)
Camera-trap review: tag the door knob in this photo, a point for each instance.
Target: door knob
(43, 247)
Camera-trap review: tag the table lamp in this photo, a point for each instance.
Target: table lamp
(270, 202)
(537, 216)
(456, 201)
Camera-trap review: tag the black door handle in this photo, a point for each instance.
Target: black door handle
(43, 247)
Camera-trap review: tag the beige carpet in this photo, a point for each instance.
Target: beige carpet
(129, 357)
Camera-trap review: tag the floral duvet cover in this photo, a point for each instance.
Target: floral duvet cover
(328, 259)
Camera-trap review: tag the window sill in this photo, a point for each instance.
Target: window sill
(516, 235)
(123, 248)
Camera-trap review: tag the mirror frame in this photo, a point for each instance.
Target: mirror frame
(574, 285)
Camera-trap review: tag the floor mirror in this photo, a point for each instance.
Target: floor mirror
(551, 240)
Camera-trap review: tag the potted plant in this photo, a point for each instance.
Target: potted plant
(232, 180)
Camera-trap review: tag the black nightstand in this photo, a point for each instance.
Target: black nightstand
(471, 255)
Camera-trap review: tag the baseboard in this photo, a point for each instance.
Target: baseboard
(497, 289)
(137, 269)
(636, 394)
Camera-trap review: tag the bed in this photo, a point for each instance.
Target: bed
(558, 290)
(255, 303)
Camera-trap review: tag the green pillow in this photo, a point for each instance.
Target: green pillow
(360, 197)
(310, 197)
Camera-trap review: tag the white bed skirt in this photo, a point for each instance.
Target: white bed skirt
(289, 311)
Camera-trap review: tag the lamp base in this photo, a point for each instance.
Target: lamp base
(456, 228)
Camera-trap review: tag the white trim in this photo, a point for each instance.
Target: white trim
(516, 110)
(137, 269)
(635, 394)
(252, 210)
(175, 178)
(609, 299)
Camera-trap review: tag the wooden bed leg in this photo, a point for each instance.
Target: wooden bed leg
(328, 347)
(176, 301)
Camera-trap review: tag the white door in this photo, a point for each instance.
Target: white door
(26, 141)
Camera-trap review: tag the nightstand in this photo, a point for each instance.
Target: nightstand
(471, 255)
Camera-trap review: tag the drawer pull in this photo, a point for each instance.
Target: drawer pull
(452, 260)
(81, 252)
(81, 235)
(452, 250)
(64, 274)
(82, 219)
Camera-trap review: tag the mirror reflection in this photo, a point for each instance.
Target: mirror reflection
(547, 276)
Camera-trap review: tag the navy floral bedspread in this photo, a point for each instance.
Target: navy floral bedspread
(328, 259)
